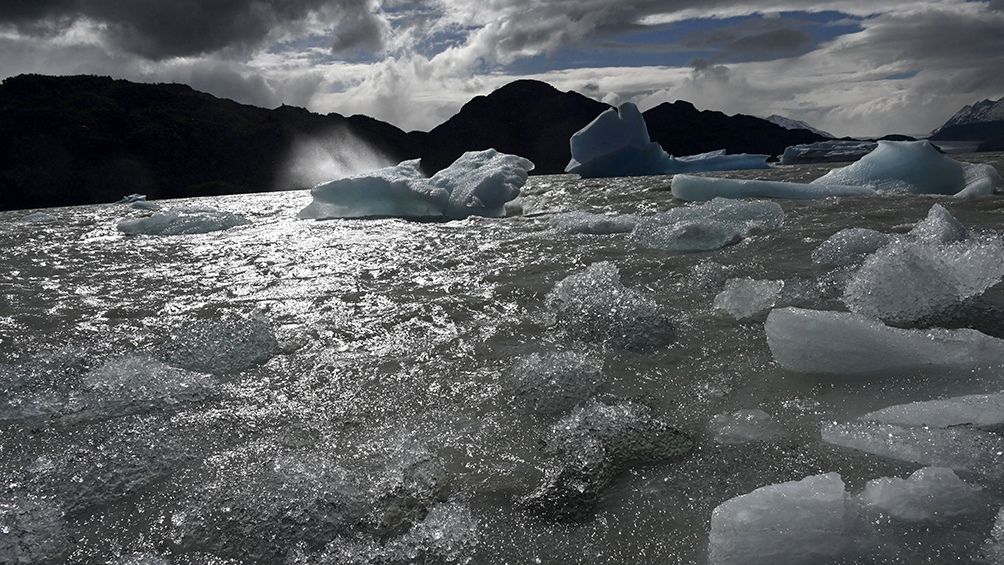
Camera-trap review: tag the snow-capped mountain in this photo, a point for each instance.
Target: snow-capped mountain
(788, 123)
(981, 112)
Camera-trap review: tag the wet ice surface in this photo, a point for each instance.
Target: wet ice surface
(483, 391)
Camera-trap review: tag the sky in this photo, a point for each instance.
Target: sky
(851, 67)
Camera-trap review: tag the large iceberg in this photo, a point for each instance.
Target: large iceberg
(832, 151)
(808, 521)
(617, 144)
(913, 167)
(814, 341)
(706, 227)
(478, 183)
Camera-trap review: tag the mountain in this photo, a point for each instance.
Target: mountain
(982, 121)
(682, 129)
(527, 118)
(789, 123)
(85, 139)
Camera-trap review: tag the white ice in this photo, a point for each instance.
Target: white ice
(617, 144)
(974, 409)
(478, 183)
(930, 494)
(38, 218)
(958, 447)
(913, 167)
(798, 522)
(584, 222)
(745, 298)
(849, 246)
(182, 221)
(744, 426)
(708, 226)
(694, 188)
(815, 341)
(827, 151)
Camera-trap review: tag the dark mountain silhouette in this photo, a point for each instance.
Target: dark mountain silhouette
(526, 117)
(681, 129)
(982, 121)
(86, 139)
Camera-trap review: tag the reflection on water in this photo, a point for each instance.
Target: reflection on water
(385, 391)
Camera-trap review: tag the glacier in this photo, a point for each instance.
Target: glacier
(478, 183)
(896, 167)
(617, 144)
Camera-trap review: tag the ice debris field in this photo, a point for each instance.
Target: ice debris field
(564, 372)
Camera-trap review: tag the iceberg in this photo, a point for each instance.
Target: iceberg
(617, 144)
(930, 494)
(182, 221)
(974, 409)
(745, 298)
(849, 246)
(709, 226)
(799, 522)
(555, 382)
(37, 218)
(478, 183)
(695, 188)
(833, 151)
(905, 167)
(959, 448)
(814, 341)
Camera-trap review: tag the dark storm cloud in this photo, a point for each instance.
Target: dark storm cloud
(753, 39)
(158, 29)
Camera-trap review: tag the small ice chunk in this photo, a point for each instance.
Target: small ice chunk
(131, 198)
(38, 218)
(708, 226)
(743, 426)
(960, 448)
(939, 227)
(145, 205)
(555, 382)
(974, 409)
(617, 144)
(913, 167)
(817, 341)
(594, 306)
(993, 548)
(798, 522)
(693, 188)
(849, 246)
(745, 298)
(182, 221)
(930, 494)
(909, 280)
(584, 222)
(138, 378)
(220, 346)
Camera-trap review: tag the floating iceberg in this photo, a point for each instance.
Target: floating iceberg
(706, 227)
(973, 409)
(849, 246)
(479, 183)
(37, 218)
(833, 151)
(933, 269)
(694, 188)
(743, 426)
(815, 341)
(959, 447)
(594, 306)
(134, 197)
(556, 382)
(745, 298)
(182, 221)
(913, 167)
(930, 494)
(617, 144)
(799, 522)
